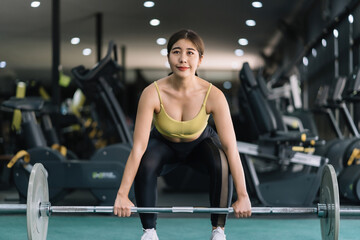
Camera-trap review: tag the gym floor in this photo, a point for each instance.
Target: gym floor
(170, 226)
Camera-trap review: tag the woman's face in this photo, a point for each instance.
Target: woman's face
(184, 58)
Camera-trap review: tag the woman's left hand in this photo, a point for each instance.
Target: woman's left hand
(242, 207)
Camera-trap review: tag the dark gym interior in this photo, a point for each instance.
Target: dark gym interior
(71, 74)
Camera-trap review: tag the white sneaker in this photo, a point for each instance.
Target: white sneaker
(149, 234)
(218, 234)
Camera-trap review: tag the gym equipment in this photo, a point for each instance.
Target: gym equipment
(39, 209)
(352, 94)
(99, 84)
(289, 114)
(334, 100)
(349, 183)
(103, 173)
(278, 168)
(263, 116)
(349, 178)
(340, 149)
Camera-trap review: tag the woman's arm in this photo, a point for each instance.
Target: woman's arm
(219, 108)
(142, 129)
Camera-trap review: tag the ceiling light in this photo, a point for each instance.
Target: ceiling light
(2, 64)
(35, 4)
(75, 40)
(243, 41)
(323, 42)
(163, 52)
(227, 85)
(256, 4)
(161, 41)
(351, 18)
(239, 52)
(250, 23)
(149, 4)
(305, 61)
(154, 22)
(86, 51)
(314, 52)
(336, 33)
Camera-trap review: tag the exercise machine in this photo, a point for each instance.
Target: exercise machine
(279, 168)
(102, 173)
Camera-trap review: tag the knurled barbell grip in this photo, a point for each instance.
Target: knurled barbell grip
(109, 209)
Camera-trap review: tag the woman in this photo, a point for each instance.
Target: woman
(179, 105)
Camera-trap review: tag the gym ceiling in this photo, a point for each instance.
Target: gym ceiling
(26, 32)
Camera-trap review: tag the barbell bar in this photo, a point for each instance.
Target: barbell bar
(38, 208)
(46, 209)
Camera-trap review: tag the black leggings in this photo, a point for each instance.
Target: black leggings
(162, 156)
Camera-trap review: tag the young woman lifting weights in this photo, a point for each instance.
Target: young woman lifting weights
(179, 105)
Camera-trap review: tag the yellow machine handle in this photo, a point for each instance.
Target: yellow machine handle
(20, 154)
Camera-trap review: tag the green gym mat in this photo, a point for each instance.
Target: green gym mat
(13, 227)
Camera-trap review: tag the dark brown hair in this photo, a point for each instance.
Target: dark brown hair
(190, 35)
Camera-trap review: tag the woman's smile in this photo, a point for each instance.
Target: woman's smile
(182, 68)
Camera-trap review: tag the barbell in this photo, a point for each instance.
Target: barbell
(38, 208)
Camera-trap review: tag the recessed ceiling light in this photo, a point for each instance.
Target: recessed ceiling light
(305, 61)
(256, 4)
(336, 33)
(154, 22)
(351, 18)
(314, 52)
(250, 23)
(323, 42)
(2, 64)
(239, 52)
(149, 4)
(35, 4)
(163, 52)
(75, 40)
(161, 41)
(243, 41)
(86, 51)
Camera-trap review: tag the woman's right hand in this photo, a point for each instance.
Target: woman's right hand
(122, 206)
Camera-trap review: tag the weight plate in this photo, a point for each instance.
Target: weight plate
(38, 192)
(329, 195)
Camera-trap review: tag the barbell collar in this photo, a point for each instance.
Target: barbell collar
(45, 209)
(322, 210)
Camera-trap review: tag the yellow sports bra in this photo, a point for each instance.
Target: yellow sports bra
(170, 127)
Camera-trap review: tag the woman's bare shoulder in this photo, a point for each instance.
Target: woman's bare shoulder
(216, 98)
(149, 95)
(215, 92)
(149, 91)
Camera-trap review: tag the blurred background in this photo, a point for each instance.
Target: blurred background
(306, 53)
